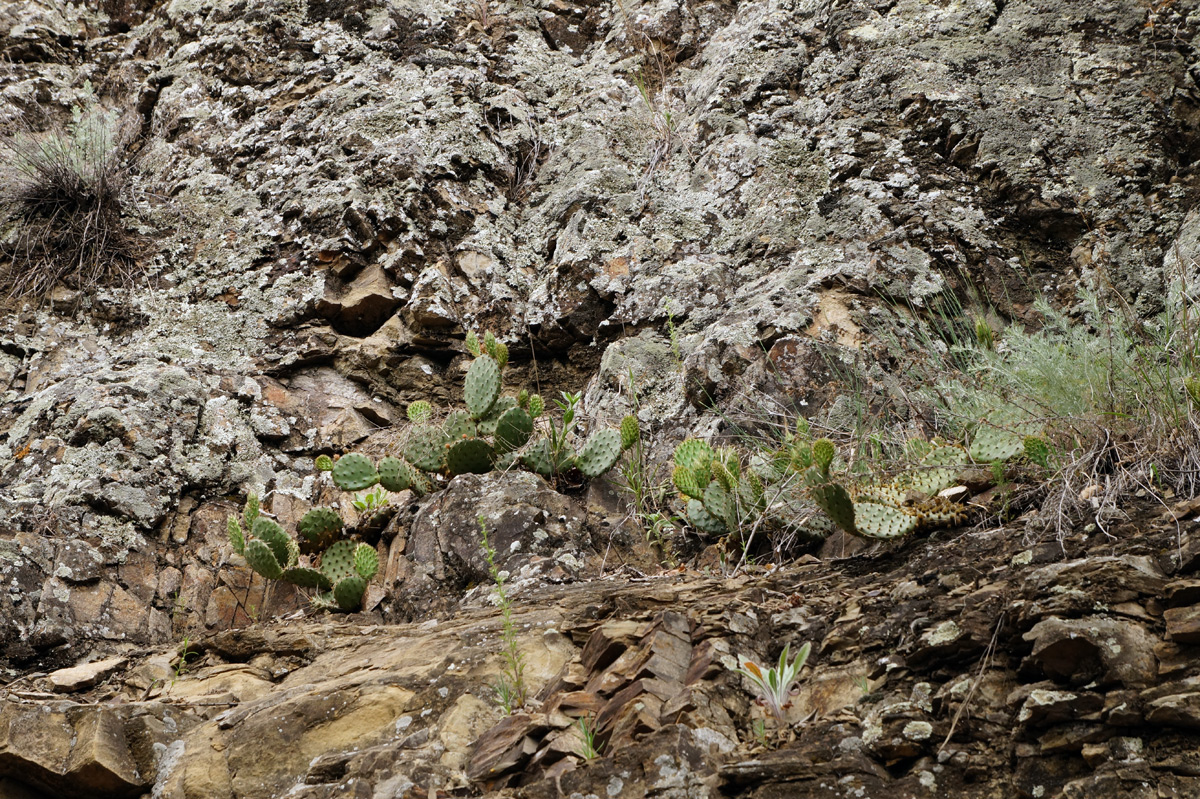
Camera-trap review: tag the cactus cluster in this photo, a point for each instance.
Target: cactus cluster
(344, 569)
(723, 496)
(498, 432)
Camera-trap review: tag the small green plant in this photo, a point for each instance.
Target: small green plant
(758, 728)
(863, 684)
(589, 747)
(774, 686)
(510, 687)
(184, 654)
(371, 501)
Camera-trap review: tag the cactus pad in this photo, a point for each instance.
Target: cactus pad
(513, 430)
(693, 453)
(506, 461)
(882, 521)
(704, 521)
(685, 480)
(630, 432)
(320, 526)
(419, 412)
(472, 343)
(366, 561)
(348, 593)
(719, 504)
(487, 425)
(990, 444)
(536, 406)
(1037, 450)
(394, 474)
(823, 452)
(236, 537)
(306, 578)
(426, 449)
(271, 534)
(469, 456)
(338, 560)
(537, 458)
(600, 453)
(481, 388)
(458, 425)
(834, 499)
(262, 559)
(354, 472)
(324, 463)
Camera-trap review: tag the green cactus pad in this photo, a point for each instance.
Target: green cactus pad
(990, 444)
(481, 388)
(882, 521)
(720, 504)
(348, 593)
(630, 432)
(685, 480)
(271, 534)
(523, 399)
(293, 556)
(419, 412)
(420, 484)
(236, 537)
(694, 454)
(513, 430)
(537, 458)
(472, 343)
(1037, 450)
(250, 513)
(823, 452)
(835, 500)
(704, 521)
(506, 461)
(324, 463)
(366, 561)
(354, 472)
(889, 494)
(500, 353)
(470, 456)
(338, 561)
(262, 559)
(721, 475)
(320, 526)
(458, 425)
(306, 578)
(536, 406)
(395, 475)
(487, 425)
(600, 453)
(426, 449)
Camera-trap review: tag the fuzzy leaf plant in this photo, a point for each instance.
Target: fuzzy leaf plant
(774, 684)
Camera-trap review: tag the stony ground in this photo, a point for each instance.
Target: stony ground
(708, 213)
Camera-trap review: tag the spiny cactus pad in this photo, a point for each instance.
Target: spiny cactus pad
(487, 425)
(600, 453)
(419, 412)
(1037, 450)
(704, 521)
(354, 472)
(719, 503)
(685, 480)
(366, 561)
(469, 456)
(513, 430)
(630, 432)
(320, 526)
(306, 578)
(823, 452)
(236, 537)
(395, 475)
(537, 458)
(426, 449)
(694, 453)
(262, 559)
(882, 521)
(348, 593)
(324, 463)
(536, 405)
(481, 388)
(990, 444)
(458, 425)
(271, 534)
(834, 499)
(338, 561)
(472, 343)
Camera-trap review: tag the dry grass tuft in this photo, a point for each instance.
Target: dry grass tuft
(66, 193)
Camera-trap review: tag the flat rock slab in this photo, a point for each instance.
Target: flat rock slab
(84, 675)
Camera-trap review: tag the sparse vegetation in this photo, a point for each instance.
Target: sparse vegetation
(774, 685)
(66, 193)
(510, 687)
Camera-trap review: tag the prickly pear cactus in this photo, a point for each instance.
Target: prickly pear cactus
(419, 412)
(469, 456)
(630, 432)
(354, 472)
(513, 430)
(395, 475)
(481, 388)
(426, 449)
(320, 527)
(600, 453)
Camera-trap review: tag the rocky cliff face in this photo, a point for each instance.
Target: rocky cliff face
(707, 205)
